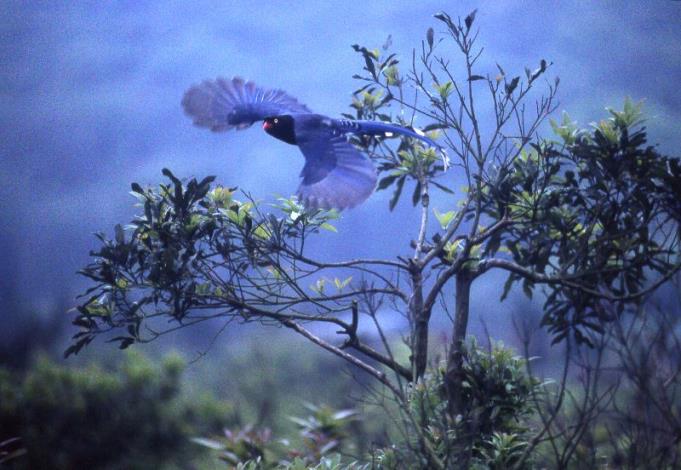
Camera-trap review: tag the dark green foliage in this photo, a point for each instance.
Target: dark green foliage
(242, 445)
(496, 389)
(322, 434)
(593, 218)
(166, 262)
(622, 408)
(91, 418)
(494, 429)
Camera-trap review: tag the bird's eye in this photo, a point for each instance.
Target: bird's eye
(276, 120)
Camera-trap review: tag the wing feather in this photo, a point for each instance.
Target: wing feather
(336, 174)
(221, 104)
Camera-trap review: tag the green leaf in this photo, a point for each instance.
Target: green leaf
(470, 18)
(169, 174)
(319, 285)
(630, 116)
(329, 227)
(510, 87)
(493, 244)
(507, 286)
(397, 193)
(416, 195)
(120, 235)
(369, 57)
(392, 75)
(233, 215)
(210, 443)
(340, 285)
(262, 232)
(566, 130)
(444, 89)
(444, 218)
(442, 187)
(446, 19)
(527, 288)
(387, 181)
(450, 248)
(137, 188)
(344, 414)
(221, 196)
(542, 68)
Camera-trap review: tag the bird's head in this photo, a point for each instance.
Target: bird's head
(281, 127)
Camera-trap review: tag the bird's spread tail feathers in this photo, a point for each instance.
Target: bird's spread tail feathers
(388, 130)
(383, 128)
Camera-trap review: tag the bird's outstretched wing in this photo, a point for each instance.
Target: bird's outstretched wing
(336, 174)
(221, 105)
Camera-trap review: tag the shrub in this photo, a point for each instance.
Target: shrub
(133, 417)
(493, 430)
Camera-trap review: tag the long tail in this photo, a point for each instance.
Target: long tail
(381, 128)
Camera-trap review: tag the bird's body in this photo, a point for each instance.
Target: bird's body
(335, 175)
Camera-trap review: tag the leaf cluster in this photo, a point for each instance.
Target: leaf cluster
(410, 160)
(493, 427)
(594, 218)
(323, 433)
(193, 248)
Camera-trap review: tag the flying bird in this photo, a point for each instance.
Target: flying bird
(336, 174)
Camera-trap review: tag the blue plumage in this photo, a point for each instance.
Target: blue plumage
(381, 128)
(335, 175)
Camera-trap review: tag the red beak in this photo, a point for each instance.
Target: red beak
(266, 125)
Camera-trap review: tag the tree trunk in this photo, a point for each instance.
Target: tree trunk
(420, 319)
(454, 375)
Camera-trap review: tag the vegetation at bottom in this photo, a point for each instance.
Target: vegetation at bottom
(138, 416)
(133, 417)
(145, 414)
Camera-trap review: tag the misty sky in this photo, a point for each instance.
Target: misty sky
(91, 102)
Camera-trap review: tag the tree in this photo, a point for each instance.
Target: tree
(591, 218)
(617, 401)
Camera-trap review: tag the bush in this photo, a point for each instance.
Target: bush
(133, 417)
(322, 435)
(494, 428)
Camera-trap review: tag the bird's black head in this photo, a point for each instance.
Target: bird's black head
(281, 127)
